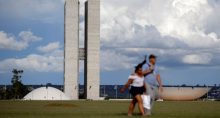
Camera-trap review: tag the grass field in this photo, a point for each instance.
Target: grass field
(104, 109)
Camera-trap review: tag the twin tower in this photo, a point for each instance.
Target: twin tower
(90, 52)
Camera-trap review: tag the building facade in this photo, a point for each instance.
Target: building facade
(71, 48)
(72, 53)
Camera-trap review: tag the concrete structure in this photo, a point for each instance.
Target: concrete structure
(183, 93)
(92, 47)
(46, 93)
(71, 48)
(90, 54)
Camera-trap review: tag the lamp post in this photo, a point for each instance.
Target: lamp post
(104, 90)
(116, 91)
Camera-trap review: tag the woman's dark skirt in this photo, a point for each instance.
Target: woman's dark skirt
(136, 90)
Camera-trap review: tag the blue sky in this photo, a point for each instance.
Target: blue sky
(184, 35)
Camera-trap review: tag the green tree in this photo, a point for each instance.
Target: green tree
(18, 89)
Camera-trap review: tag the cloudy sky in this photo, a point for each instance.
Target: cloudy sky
(185, 35)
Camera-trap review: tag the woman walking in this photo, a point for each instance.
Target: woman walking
(138, 87)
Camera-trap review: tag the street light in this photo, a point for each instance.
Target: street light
(116, 91)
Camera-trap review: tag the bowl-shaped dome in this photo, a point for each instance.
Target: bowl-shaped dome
(183, 93)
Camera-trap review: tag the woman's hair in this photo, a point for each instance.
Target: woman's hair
(138, 67)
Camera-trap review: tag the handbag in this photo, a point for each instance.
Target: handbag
(146, 101)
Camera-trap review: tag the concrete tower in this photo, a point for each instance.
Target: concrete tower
(71, 48)
(90, 54)
(92, 47)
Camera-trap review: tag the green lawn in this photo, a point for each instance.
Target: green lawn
(104, 109)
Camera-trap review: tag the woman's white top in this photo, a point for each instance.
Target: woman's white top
(137, 81)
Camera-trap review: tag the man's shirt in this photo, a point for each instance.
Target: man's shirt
(152, 77)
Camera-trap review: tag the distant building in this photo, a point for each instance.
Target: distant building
(90, 54)
(46, 93)
(170, 93)
(183, 93)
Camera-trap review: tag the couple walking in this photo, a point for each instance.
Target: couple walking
(145, 80)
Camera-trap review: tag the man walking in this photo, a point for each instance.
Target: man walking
(153, 80)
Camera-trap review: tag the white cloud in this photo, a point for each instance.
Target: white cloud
(111, 60)
(197, 59)
(181, 20)
(49, 47)
(213, 22)
(170, 29)
(50, 61)
(28, 36)
(10, 42)
(34, 62)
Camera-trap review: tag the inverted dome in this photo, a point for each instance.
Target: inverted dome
(46, 93)
(183, 93)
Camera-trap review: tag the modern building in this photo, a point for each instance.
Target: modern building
(170, 92)
(92, 49)
(90, 54)
(46, 93)
(71, 48)
(183, 93)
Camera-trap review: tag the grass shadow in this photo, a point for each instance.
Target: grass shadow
(65, 105)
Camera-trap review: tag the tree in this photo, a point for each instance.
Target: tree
(18, 89)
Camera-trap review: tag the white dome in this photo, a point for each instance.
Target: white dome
(46, 93)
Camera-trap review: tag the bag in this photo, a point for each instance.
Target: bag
(146, 101)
